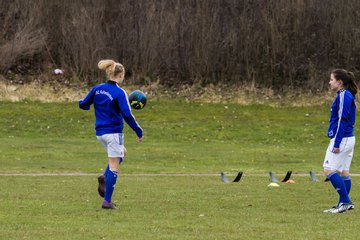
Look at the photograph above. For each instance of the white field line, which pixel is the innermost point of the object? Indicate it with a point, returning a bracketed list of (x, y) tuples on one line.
[(79, 174)]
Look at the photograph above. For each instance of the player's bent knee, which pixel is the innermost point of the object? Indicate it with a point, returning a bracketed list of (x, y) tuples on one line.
[(327, 172)]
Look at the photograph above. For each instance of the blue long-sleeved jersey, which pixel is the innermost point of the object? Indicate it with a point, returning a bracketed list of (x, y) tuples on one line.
[(112, 107), (342, 117)]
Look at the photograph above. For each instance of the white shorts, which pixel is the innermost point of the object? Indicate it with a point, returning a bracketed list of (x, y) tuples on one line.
[(113, 144), (340, 161)]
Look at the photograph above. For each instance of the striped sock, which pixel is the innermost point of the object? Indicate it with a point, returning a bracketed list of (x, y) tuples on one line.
[(107, 168), (110, 184)]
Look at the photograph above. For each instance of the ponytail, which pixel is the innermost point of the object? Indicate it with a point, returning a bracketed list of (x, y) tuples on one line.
[(348, 79), (353, 88), (111, 68)]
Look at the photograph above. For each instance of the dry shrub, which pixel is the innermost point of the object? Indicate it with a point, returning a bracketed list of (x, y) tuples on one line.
[(23, 38), (264, 44), (26, 43), (83, 40)]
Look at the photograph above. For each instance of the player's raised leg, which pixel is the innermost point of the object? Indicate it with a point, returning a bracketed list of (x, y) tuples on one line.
[(102, 180)]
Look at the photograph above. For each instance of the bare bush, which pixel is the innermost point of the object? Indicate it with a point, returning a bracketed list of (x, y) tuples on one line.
[(26, 43), (273, 44), (22, 36)]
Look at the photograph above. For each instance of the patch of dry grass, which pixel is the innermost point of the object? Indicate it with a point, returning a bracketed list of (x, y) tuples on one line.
[(38, 92), (246, 95), (243, 95)]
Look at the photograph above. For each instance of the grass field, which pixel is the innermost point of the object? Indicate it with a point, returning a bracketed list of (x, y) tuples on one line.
[(186, 145)]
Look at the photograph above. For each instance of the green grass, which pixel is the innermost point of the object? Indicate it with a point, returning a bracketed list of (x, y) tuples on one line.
[(166, 207), (180, 137)]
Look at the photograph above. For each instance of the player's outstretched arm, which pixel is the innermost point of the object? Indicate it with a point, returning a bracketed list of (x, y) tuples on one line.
[(87, 101)]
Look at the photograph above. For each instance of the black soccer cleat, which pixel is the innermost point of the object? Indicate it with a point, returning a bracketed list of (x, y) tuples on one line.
[(102, 185)]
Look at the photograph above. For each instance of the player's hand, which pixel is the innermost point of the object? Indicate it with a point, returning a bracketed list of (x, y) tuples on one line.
[(336, 150)]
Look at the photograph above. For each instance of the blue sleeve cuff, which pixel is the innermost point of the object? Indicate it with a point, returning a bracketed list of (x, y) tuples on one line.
[(83, 106), (337, 144)]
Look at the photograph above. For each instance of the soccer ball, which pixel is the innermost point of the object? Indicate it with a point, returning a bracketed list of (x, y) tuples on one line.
[(137, 99)]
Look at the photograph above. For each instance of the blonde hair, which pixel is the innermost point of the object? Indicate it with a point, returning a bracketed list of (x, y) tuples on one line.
[(112, 68)]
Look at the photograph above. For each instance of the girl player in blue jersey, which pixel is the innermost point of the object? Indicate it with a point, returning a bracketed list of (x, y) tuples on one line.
[(111, 107), (342, 139)]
